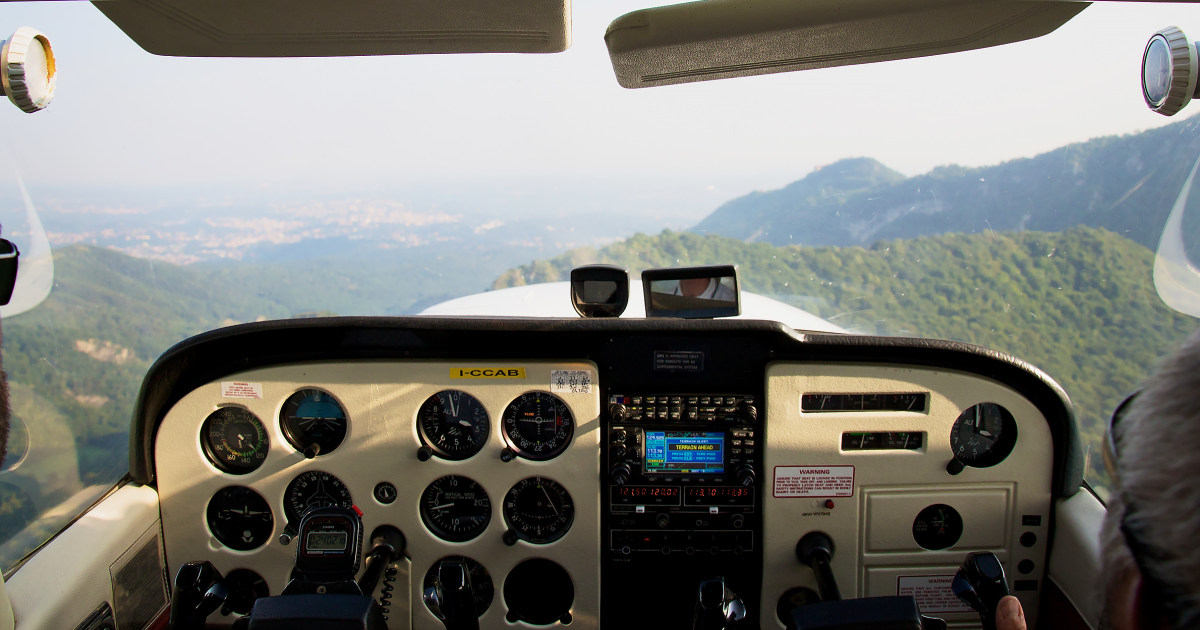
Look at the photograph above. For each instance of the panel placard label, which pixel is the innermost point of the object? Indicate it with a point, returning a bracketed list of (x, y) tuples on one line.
[(487, 372), (571, 381), (813, 481), (241, 389), (932, 592)]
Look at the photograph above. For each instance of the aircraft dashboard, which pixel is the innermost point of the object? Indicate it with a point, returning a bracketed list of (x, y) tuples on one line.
[(591, 473)]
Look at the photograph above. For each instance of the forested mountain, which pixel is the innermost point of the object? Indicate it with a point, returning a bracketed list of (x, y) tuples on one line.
[(1126, 184), (1079, 304), (80, 356)]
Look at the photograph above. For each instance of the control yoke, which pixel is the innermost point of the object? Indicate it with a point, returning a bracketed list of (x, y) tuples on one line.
[(322, 593)]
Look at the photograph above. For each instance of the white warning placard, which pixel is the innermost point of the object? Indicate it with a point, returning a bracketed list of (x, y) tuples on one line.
[(571, 381), (814, 481), (932, 592), (239, 389)]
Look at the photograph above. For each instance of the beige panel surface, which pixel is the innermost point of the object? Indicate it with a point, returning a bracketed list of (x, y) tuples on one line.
[(381, 400), (984, 511), (899, 480)]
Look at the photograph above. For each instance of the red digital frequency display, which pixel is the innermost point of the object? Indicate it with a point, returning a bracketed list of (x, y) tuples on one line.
[(645, 495), (718, 495)]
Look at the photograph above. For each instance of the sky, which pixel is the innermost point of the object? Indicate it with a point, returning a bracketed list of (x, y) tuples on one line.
[(514, 125)]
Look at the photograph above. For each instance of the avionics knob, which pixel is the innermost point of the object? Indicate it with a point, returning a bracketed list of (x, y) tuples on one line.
[(620, 473), (618, 412), (619, 435), (745, 475), (747, 413)]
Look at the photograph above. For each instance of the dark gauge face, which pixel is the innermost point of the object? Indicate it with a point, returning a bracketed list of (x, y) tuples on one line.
[(937, 527), (450, 567), (538, 510), (313, 422), (455, 508), (314, 489), (538, 425), (240, 518), (539, 592), (453, 424), (234, 440), (245, 586), (983, 435)]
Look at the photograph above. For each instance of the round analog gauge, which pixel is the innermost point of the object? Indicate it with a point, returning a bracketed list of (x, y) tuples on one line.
[(455, 508), (937, 527), (244, 587), (453, 424), (313, 422), (450, 569), (314, 489), (234, 440), (539, 592), (983, 435), (240, 518), (538, 425), (538, 510)]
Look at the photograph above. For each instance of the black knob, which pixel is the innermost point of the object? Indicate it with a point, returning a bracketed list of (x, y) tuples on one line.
[(620, 473), (619, 435), (745, 475), (618, 412), (507, 454), (955, 466), (747, 413), (424, 453)]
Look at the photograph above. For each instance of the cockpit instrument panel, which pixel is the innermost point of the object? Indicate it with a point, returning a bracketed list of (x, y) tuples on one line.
[(612, 476)]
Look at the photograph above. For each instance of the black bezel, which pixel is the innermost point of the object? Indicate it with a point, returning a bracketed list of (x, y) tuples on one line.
[(558, 532), (212, 451), (561, 444), (436, 528), (292, 434), (428, 440)]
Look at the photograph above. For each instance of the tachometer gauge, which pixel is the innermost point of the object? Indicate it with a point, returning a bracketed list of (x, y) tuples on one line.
[(314, 489), (538, 425), (234, 440), (453, 424), (313, 422), (983, 435), (538, 510), (240, 518), (455, 508)]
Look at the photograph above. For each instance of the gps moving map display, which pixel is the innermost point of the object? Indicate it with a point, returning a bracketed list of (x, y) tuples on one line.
[(685, 452)]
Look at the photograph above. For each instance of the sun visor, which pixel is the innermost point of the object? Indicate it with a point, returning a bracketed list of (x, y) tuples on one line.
[(719, 39), (321, 28)]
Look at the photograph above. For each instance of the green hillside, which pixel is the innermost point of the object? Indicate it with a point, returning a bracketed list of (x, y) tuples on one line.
[(1079, 304), (83, 352), (1125, 184)]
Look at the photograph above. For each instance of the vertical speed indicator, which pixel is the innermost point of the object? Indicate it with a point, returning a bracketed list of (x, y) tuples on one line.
[(538, 425)]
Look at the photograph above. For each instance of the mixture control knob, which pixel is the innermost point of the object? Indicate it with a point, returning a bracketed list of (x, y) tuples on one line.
[(618, 412), (745, 475), (747, 413), (620, 473)]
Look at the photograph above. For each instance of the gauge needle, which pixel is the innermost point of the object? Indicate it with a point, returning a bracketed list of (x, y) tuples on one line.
[(450, 402), (442, 506), (549, 500)]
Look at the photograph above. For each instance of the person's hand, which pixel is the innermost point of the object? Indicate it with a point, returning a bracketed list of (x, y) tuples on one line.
[(1009, 614)]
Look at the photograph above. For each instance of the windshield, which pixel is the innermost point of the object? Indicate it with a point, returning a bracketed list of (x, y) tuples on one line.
[(1010, 197)]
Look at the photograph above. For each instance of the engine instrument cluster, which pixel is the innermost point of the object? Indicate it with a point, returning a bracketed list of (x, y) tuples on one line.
[(598, 491)]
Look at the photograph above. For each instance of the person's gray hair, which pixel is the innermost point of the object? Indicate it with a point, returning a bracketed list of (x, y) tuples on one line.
[(1159, 495)]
